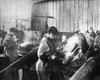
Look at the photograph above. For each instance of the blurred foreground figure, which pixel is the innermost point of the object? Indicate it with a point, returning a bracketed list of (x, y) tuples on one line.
[(45, 66), (10, 46)]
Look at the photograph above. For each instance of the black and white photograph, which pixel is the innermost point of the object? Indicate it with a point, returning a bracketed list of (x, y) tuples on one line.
[(49, 39)]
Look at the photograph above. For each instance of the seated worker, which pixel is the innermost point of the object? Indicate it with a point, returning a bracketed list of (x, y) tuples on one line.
[(45, 66)]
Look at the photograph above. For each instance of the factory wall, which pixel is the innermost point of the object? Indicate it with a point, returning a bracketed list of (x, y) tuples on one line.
[(66, 15), (14, 13)]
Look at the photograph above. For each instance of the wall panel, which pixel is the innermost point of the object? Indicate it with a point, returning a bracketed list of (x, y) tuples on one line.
[(57, 15), (71, 15), (67, 15), (80, 13), (90, 13), (75, 14), (95, 14), (85, 10), (61, 16)]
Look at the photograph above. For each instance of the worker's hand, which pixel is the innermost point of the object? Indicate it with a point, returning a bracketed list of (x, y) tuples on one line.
[(53, 57)]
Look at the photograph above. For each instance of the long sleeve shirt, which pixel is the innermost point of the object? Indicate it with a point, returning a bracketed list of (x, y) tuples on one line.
[(43, 47), (10, 47), (9, 41)]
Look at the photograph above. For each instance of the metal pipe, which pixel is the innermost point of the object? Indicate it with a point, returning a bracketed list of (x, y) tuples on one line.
[(85, 71)]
